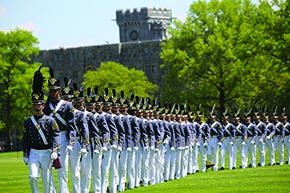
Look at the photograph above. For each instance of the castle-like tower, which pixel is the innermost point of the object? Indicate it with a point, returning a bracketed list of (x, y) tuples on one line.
[(146, 24)]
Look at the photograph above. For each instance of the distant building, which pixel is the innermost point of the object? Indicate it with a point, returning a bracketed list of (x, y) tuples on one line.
[(140, 31)]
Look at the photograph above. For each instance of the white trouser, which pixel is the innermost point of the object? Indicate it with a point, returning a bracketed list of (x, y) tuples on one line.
[(63, 171), (213, 156), (131, 168), (105, 165), (203, 153), (74, 160), (287, 145), (138, 166), (152, 165), (172, 164), (161, 163), (40, 160), (242, 149), (166, 162), (145, 167), (261, 146), (86, 168), (114, 177), (195, 150), (227, 147), (184, 162), (252, 151), (123, 169), (96, 172), (270, 146), (178, 162), (279, 145)]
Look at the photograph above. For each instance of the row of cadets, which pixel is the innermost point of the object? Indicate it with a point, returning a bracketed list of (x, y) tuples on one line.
[(227, 141), (62, 111), (41, 140), (278, 137), (128, 146), (78, 150)]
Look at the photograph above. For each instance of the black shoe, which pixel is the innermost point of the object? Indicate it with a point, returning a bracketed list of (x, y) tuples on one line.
[(165, 180), (197, 171), (240, 166), (209, 166), (234, 168), (259, 164), (286, 162), (222, 168), (277, 164), (250, 165), (271, 164)]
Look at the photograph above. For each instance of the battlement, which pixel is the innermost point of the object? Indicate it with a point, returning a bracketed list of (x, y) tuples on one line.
[(144, 13)]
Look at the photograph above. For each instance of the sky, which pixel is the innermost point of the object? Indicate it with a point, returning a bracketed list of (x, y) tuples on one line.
[(76, 23)]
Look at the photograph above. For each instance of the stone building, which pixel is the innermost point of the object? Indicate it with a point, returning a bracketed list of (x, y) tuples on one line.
[(141, 32)]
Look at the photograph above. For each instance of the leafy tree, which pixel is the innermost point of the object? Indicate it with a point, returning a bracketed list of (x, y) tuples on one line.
[(215, 57), (114, 75), (16, 48)]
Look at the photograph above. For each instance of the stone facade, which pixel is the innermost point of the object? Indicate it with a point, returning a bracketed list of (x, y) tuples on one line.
[(141, 53)]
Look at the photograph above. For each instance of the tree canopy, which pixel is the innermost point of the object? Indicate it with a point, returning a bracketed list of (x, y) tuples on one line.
[(116, 76), (218, 56), (16, 75)]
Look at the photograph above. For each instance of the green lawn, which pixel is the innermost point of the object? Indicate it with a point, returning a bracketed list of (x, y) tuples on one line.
[(14, 178)]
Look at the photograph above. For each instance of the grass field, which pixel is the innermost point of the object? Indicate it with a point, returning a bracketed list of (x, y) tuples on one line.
[(14, 179)]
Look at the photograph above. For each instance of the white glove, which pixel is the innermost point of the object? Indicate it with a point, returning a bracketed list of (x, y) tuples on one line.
[(69, 149), (186, 147), (104, 149), (261, 141), (243, 143), (232, 143), (220, 144), (114, 146), (83, 151), (152, 148), (146, 148), (172, 148), (119, 148), (197, 144), (268, 137), (180, 148), (53, 156), (96, 151), (165, 142), (252, 142), (129, 149), (26, 160), (205, 145), (157, 150), (136, 148)]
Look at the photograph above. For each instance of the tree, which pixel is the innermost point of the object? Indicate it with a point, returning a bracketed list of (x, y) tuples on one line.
[(215, 57), (16, 48), (114, 75)]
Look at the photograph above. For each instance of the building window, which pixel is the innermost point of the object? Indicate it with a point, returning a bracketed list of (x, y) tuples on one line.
[(75, 74)]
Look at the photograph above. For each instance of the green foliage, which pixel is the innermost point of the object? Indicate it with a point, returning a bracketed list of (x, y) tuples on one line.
[(16, 74), (114, 75), (216, 56)]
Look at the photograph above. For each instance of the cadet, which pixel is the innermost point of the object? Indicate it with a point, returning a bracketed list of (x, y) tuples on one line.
[(240, 141), (216, 135), (269, 137), (284, 118), (279, 137), (62, 111), (41, 140), (261, 128), (227, 141), (252, 134)]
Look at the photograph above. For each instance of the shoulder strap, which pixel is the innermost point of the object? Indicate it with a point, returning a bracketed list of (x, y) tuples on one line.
[(37, 126), (54, 112)]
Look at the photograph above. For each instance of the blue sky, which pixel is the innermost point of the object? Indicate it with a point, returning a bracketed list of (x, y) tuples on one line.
[(75, 23)]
